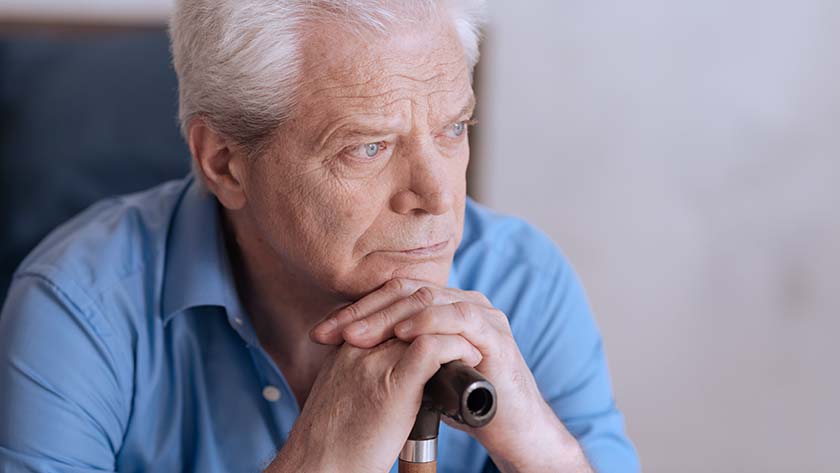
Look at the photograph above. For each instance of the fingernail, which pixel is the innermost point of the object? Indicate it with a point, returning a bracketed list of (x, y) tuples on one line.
[(326, 327), (357, 328), (404, 327)]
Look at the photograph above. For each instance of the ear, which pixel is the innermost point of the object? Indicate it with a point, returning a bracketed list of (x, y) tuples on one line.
[(221, 165)]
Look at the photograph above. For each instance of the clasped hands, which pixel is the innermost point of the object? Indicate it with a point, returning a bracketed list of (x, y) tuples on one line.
[(525, 434)]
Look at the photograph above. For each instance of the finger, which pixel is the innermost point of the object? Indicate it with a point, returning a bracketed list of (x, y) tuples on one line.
[(479, 325), (329, 331), (379, 326), (374, 329), (427, 353)]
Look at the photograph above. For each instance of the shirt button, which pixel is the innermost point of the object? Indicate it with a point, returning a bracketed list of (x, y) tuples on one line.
[(271, 394)]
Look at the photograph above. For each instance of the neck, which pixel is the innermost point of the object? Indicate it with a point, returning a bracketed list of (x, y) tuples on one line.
[(282, 306)]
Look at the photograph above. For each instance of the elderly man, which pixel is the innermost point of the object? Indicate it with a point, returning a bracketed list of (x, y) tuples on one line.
[(282, 308)]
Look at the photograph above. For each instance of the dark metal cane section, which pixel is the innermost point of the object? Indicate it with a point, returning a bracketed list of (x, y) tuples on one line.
[(456, 391)]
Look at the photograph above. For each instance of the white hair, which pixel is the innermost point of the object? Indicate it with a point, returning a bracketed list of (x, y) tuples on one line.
[(238, 61)]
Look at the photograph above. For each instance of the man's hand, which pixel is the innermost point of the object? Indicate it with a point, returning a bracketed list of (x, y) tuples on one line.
[(363, 404), (525, 434)]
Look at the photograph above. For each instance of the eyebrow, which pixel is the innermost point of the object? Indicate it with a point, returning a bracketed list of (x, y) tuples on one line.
[(469, 108), (349, 128), (343, 128)]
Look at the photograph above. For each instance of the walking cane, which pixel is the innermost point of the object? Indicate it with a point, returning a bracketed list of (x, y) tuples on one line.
[(456, 391)]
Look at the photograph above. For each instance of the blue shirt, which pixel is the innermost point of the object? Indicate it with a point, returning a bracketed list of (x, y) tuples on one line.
[(124, 347)]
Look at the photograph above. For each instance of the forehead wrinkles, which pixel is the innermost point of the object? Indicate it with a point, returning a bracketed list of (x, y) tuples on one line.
[(403, 80), (399, 97)]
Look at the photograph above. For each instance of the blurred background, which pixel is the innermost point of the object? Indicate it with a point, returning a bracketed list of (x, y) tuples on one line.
[(685, 156)]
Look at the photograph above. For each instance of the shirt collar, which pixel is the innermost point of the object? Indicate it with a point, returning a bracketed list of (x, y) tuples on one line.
[(197, 271)]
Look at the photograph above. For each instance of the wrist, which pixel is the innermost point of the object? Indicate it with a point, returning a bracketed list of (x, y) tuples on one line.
[(560, 458), (538, 443)]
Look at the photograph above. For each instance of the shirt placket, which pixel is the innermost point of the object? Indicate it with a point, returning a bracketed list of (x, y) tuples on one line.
[(274, 389)]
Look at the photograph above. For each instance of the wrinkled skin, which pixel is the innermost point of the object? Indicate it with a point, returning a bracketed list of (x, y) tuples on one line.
[(326, 212), (372, 163)]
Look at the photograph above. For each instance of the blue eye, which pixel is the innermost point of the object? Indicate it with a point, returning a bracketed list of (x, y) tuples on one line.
[(372, 149), (457, 129), (368, 151)]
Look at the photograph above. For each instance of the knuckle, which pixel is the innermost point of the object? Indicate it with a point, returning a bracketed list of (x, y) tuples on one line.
[(400, 286), (384, 391), (384, 320), (391, 348), (351, 311), (424, 296), (347, 355), (381, 319), (466, 312), (479, 296), (395, 285), (425, 345), (500, 317), (369, 364)]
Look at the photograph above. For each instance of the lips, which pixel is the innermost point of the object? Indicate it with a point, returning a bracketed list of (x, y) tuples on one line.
[(429, 248)]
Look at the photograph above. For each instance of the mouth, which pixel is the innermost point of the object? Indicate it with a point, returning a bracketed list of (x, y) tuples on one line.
[(430, 250)]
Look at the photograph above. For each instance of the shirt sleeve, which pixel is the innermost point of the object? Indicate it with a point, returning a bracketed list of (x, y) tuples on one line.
[(61, 405), (568, 362)]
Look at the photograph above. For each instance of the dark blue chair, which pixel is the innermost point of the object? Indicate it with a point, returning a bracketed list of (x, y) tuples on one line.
[(82, 117)]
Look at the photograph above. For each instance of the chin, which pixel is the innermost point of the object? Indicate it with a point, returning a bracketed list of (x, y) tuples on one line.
[(365, 280), (436, 273)]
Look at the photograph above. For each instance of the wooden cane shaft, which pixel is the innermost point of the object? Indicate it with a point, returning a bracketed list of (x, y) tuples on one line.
[(409, 467)]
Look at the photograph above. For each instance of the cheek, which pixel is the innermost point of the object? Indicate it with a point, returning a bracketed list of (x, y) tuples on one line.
[(291, 206), (329, 216), (356, 214)]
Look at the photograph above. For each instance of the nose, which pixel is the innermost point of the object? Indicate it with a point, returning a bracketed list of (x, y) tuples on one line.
[(430, 185)]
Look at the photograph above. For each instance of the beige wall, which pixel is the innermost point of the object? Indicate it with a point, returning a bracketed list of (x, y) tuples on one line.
[(686, 155)]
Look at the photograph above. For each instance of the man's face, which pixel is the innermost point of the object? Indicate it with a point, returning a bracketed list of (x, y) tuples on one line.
[(372, 164)]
